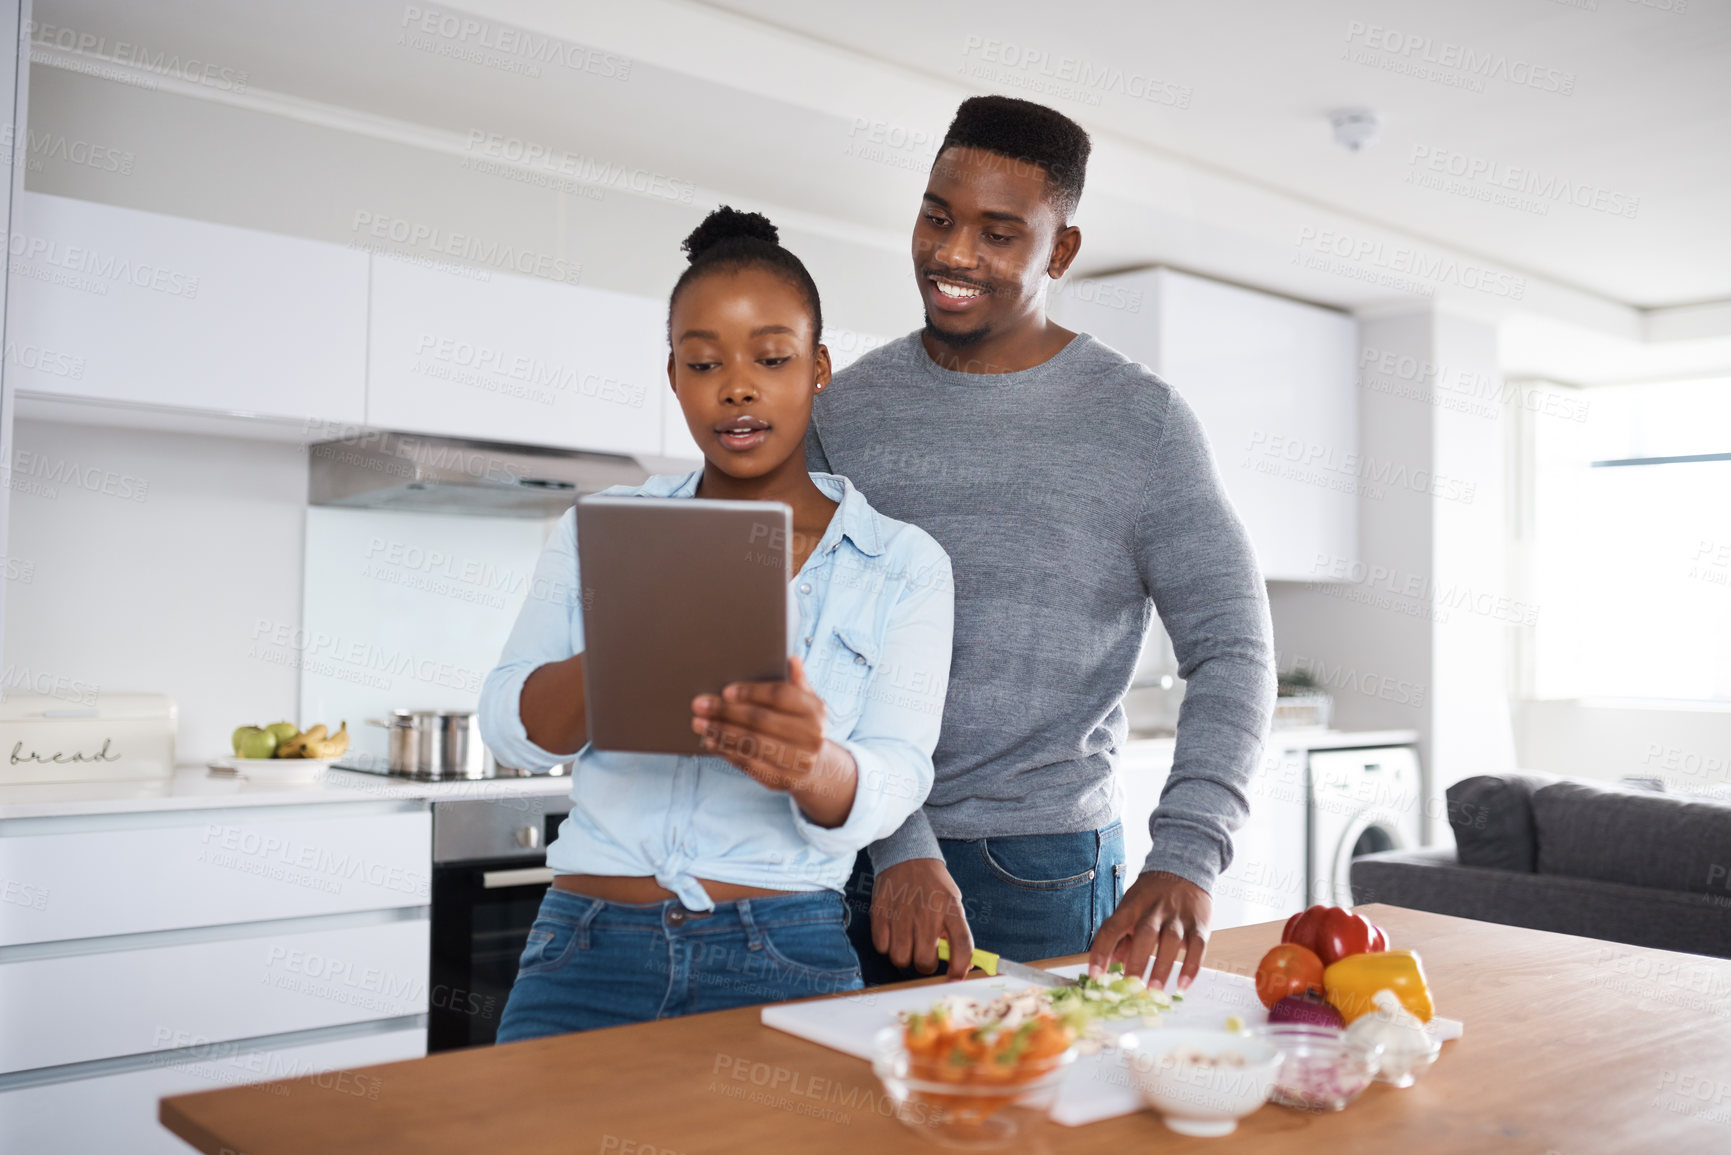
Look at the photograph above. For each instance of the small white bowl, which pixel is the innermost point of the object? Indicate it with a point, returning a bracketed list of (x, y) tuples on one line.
[(1202, 1082)]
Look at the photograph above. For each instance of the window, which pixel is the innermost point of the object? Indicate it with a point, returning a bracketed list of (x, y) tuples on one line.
[(1629, 544)]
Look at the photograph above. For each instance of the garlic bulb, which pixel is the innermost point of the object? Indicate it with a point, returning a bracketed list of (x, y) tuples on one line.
[(1407, 1048)]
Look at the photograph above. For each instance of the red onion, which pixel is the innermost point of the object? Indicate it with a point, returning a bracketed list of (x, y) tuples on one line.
[(1307, 1009)]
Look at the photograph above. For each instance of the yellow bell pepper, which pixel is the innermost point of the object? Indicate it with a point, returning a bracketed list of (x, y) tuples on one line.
[(1353, 981)]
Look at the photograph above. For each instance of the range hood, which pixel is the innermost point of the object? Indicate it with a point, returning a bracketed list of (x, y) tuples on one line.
[(405, 471)]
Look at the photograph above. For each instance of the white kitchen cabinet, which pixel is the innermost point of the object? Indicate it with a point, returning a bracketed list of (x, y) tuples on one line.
[(209, 868), (195, 994), (152, 953), (115, 304), (1271, 380), (117, 1113), (501, 357)]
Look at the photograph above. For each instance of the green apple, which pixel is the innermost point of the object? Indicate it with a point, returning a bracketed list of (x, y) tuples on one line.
[(283, 731), (234, 739), (252, 742)]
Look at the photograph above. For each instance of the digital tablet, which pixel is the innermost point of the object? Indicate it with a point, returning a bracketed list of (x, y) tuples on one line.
[(680, 597)]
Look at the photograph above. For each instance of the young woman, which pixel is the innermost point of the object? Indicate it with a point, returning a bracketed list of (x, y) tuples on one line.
[(697, 883)]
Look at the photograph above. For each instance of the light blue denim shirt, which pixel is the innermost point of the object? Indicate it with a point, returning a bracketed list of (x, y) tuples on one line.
[(876, 611)]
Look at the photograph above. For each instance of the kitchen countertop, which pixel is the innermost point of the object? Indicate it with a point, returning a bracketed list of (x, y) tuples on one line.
[(194, 788), (1293, 740), (1339, 739)]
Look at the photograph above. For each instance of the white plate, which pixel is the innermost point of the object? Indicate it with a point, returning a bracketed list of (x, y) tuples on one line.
[(272, 769)]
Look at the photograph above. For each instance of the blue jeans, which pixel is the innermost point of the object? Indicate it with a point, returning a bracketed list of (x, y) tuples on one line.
[(1026, 897), (593, 964)]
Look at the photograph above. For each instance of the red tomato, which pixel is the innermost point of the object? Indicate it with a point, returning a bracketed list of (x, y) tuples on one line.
[(1288, 969)]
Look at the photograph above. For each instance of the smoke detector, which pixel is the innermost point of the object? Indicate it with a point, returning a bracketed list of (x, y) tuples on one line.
[(1354, 128)]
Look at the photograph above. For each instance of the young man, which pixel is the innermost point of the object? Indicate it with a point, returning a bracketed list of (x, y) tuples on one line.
[(1075, 495)]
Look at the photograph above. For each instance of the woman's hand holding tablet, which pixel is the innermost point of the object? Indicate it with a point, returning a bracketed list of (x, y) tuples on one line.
[(773, 731)]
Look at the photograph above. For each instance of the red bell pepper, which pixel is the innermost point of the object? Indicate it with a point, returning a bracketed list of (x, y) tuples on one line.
[(1334, 933)]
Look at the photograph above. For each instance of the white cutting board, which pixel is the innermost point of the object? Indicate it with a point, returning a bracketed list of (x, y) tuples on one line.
[(1097, 1086)]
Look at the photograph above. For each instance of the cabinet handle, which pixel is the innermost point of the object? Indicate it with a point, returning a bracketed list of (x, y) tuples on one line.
[(528, 876)]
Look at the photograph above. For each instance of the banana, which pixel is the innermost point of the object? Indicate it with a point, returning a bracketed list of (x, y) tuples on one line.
[(299, 745), (333, 747)]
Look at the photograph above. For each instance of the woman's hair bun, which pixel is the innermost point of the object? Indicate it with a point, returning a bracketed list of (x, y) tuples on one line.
[(725, 224)]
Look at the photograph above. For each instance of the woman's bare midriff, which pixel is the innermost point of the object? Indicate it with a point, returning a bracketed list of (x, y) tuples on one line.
[(643, 889)]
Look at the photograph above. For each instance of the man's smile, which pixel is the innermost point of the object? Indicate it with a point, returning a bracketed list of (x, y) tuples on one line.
[(954, 294)]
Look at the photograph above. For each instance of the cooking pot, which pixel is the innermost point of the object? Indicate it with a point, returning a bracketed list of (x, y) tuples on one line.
[(436, 744)]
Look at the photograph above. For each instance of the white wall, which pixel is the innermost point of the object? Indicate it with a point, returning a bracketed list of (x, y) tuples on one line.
[(1474, 731), (1395, 642), (13, 114), (145, 561), (1688, 748)]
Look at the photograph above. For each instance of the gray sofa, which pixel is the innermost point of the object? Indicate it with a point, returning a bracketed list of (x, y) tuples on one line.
[(1618, 862)]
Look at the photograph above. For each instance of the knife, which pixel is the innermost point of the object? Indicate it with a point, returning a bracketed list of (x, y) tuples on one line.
[(995, 965)]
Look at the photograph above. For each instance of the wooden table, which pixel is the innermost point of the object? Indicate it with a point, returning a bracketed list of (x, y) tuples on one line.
[(1572, 1046)]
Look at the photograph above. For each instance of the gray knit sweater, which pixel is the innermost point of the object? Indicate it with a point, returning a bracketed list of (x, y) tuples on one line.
[(1074, 499)]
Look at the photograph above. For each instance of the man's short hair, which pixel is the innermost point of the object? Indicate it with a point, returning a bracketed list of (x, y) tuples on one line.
[(1030, 134)]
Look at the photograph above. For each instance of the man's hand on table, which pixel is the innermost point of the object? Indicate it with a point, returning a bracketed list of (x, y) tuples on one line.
[(1159, 915), (915, 903)]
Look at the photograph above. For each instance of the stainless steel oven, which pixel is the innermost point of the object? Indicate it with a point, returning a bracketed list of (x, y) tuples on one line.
[(489, 873)]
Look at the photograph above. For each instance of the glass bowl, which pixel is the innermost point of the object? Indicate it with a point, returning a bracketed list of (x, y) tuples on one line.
[(1323, 1071), (957, 1114)]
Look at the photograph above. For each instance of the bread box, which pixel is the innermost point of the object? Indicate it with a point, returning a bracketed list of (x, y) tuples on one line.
[(113, 737)]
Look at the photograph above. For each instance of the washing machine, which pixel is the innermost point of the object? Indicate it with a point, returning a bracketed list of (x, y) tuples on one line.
[(1361, 802)]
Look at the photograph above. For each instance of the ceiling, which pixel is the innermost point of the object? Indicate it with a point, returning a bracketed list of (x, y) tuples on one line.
[(1648, 117), (1236, 91)]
